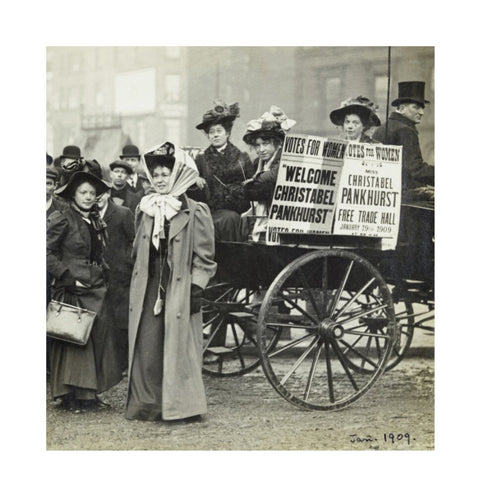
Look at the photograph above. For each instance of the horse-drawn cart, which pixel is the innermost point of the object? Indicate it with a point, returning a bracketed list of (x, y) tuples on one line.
[(324, 314)]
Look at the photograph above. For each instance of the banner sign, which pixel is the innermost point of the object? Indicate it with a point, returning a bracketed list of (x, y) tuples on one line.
[(369, 195), (331, 186), (307, 184)]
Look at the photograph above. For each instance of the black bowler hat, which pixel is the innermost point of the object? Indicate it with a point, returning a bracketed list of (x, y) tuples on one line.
[(71, 151), (79, 177), (411, 92), (122, 164), (130, 151)]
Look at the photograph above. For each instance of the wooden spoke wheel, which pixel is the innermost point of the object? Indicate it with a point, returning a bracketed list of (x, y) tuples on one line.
[(335, 322), (230, 330)]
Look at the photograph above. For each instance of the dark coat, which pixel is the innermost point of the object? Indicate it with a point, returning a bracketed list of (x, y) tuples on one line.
[(126, 197), (94, 366), (231, 168), (403, 132), (138, 188), (118, 256), (190, 259), (262, 186), (57, 204)]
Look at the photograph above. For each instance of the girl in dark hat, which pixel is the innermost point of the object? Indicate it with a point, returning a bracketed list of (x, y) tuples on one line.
[(223, 168), (355, 117), (75, 245), (173, 254), (266, 136)]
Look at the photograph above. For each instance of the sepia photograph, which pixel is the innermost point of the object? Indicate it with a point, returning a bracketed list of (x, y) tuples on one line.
[(240, 248), (243, 282)]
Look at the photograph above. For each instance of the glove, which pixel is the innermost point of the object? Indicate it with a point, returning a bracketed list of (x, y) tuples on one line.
[(67, 281), (196, 293)]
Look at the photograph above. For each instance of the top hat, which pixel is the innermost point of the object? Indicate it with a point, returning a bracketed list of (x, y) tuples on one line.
[(361, 106), (79, 177), (220, 114), (122, 164), (411, 91), (71, 151), (130, 151), (164, 156), (272, 124)]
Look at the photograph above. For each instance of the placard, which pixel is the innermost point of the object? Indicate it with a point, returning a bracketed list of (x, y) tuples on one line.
[(369, 194)]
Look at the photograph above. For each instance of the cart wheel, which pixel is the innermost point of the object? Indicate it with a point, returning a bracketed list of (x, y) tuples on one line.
[(336, 333), (404, 317), (230, 331)]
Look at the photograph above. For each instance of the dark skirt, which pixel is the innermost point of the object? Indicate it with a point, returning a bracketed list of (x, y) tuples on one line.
[(144, 398), (228, 226), (83, 371)]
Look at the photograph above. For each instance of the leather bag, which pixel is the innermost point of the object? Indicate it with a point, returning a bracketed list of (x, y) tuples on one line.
[(69, 323)]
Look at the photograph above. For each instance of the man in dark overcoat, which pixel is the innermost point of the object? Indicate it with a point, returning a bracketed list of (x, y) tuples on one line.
[(118, 256), (401, 129), (131, 155), (417, 218), (121, 193)]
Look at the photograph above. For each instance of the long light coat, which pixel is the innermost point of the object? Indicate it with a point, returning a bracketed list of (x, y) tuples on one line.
[(191, 250)]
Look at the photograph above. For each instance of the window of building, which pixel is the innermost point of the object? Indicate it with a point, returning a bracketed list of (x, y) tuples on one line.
[(172, 88), (172, 130), (380, 92)]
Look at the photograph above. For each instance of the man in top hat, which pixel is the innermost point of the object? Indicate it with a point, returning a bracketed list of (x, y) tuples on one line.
[(71, 160), (417, 224), (400, 129), (131, 155), (121, 193)]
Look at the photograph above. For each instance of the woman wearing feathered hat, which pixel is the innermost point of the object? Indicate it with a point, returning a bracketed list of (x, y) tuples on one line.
[(355, 117), (266, 136), (173, 252), (76, 237), (223, 168)]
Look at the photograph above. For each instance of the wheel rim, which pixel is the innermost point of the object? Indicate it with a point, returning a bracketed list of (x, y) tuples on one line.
[(229, 340), (405, 319), (336, 332)]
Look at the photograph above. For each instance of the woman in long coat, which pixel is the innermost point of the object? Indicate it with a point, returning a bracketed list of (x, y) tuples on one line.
[(75, 246), (223, 168), (173, 251)]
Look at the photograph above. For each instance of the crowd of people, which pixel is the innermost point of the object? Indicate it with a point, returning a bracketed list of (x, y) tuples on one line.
[(138, 247)]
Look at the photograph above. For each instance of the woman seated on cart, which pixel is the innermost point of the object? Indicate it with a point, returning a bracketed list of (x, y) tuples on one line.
[(266, 136), (355, 117), (222, 168)]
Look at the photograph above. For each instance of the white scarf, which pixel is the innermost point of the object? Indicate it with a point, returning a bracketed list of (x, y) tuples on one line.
[(166, 206)]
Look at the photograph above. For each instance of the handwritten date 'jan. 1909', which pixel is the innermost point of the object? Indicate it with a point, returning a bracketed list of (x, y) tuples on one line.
[(390, 438)]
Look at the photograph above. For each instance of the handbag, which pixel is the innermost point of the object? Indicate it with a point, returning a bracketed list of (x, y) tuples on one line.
[(69, 323)]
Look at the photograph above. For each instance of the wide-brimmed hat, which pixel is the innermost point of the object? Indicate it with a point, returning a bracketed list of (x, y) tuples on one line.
[(130, 151), (272, 124), (52, 172), (221, 113), (164, 155), (122, 164), (71, 151), (361, 106), (79, 177), (411, 92)]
